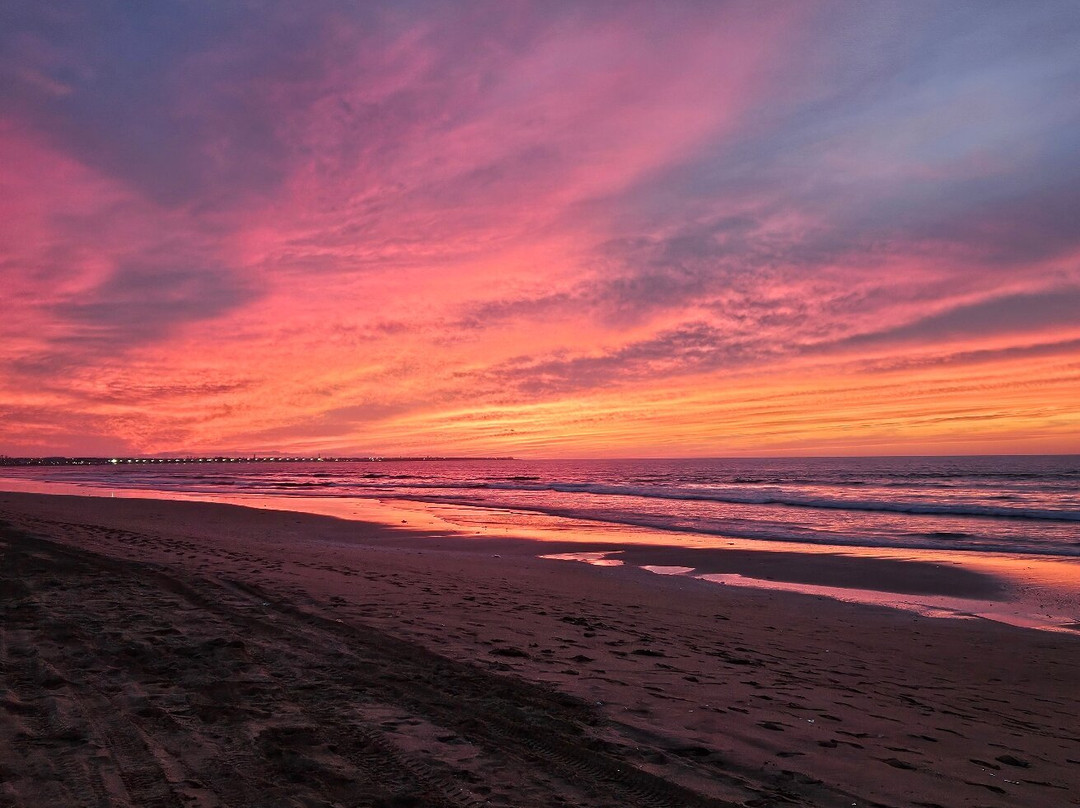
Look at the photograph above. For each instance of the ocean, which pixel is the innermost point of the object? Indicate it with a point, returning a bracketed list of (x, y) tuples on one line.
[(1010, 504)]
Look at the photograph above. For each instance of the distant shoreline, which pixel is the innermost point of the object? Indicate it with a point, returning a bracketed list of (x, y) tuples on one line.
[(114, 461)]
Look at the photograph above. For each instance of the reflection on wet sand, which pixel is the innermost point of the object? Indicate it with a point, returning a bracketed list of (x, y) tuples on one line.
[(1020, 609)]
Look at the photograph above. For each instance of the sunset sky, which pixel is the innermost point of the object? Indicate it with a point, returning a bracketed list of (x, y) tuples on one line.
[(540, 228)]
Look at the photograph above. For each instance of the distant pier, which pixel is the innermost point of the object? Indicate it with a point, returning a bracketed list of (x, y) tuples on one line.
[(124, 461)]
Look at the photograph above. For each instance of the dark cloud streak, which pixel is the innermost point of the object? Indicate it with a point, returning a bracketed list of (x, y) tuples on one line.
[(1003, 316)]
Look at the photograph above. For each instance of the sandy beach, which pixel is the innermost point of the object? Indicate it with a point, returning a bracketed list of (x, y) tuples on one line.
[(165, 653)]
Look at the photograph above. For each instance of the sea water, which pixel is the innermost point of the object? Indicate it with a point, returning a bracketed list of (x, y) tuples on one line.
[(999, 504)]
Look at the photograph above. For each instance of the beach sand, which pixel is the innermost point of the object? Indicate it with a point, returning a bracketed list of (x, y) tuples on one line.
[(157, 653)]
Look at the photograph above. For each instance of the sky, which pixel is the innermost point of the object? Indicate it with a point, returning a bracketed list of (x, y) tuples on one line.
[(540, 229)]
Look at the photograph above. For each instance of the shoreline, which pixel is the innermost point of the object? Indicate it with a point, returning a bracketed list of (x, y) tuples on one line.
[(694, 693), (1019, 589)]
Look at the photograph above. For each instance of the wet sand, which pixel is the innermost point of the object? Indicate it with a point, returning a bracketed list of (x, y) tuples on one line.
[(160, 653)]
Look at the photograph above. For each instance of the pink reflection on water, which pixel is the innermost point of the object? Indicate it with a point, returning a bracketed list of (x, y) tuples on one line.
[(1012, 613), (595, 559), (661, 569)]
